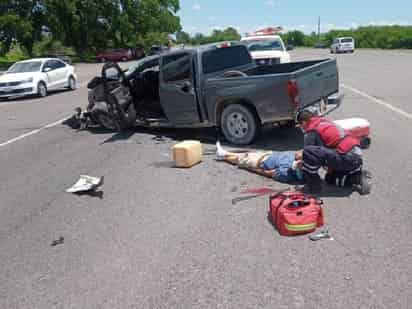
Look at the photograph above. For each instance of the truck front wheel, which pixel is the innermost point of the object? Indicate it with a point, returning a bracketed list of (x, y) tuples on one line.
[(239, 125)]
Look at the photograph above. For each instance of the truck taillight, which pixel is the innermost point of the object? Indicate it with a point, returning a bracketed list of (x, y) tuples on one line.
[(293, 92)]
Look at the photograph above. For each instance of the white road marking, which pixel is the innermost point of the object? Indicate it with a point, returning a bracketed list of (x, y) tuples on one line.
[(18, 138), (378, 101)]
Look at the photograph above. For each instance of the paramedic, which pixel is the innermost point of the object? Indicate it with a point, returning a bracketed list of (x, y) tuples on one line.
[(327, 145)]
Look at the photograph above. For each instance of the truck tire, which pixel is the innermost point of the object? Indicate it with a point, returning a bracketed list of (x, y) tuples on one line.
[(239, 125)]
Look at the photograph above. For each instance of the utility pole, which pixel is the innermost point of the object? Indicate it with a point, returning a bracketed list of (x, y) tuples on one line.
[(319, 28)]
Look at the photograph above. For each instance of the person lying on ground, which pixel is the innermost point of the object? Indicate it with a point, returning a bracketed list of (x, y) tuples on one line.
[(281, 166)]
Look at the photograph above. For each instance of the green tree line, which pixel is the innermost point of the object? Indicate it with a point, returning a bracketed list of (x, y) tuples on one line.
[(385, 37), (86, 26), (228, 34)]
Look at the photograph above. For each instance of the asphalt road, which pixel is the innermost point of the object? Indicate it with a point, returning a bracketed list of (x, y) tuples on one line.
[(167, 238)]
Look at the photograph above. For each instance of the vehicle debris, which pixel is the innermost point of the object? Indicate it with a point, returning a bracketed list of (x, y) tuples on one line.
[(324, 234), (86, 184), (57, 242)]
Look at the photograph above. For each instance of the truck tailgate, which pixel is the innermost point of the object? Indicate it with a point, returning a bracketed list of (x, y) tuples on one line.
[(317, 81)]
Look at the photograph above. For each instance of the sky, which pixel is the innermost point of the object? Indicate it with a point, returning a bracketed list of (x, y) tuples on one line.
[(202, 16)]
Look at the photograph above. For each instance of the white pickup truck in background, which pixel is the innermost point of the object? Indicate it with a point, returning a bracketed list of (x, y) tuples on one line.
[(267, 49)]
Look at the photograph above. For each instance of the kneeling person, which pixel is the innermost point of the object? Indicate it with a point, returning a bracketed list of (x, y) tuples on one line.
[(327, 145), (281, 166)]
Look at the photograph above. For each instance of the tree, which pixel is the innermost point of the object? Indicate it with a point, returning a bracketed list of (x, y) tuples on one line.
[(21, 22), (182, 37), (97, 24)]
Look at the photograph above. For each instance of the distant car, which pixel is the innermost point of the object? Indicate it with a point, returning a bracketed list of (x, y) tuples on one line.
[(158, 50), (115, 55), (343, 45), (37, 77), (267, 49), (321, 45)]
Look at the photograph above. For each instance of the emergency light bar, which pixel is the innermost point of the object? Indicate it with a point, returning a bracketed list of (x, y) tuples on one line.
[(266, 31)]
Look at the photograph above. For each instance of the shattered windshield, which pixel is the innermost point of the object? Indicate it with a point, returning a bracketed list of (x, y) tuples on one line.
[(25, 67), (265, 45)]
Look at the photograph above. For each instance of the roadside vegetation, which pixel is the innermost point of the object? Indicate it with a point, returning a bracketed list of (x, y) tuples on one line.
[(384, 37), (83, 27)]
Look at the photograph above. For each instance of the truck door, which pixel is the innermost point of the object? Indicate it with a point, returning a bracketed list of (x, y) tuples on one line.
[(177, 89)]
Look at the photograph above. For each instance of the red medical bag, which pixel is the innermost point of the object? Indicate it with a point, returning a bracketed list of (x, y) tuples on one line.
[(295, 213)]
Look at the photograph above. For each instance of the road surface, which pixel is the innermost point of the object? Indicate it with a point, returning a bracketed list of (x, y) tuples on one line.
[(166, 238)]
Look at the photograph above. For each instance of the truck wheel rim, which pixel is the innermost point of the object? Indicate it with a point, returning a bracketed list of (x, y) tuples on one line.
[(238, 125)]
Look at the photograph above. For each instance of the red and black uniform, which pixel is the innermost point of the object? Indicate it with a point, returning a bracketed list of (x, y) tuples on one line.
[(326, 145)]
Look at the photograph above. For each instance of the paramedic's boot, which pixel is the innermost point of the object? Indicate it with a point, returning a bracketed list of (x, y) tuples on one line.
[(313, 183)]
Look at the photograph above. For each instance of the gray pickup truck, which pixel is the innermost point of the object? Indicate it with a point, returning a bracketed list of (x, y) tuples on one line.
[(216, 85)]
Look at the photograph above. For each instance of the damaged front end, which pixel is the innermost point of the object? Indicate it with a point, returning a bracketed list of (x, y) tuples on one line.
[(110, 104)]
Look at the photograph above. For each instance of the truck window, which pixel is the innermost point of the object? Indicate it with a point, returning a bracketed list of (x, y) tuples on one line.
[(222, 59), (176, 67), (347, 40)]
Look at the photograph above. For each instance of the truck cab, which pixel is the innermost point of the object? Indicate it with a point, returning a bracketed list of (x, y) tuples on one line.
[(267, 49)]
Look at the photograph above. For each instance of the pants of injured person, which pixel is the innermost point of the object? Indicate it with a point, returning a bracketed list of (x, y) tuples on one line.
[(252, 159), (315, 157)]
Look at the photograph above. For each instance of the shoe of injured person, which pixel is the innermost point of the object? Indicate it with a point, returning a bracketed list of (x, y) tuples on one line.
[(220, 152)]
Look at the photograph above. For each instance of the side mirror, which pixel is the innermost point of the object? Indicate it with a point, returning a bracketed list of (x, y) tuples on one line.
[(47, 69)]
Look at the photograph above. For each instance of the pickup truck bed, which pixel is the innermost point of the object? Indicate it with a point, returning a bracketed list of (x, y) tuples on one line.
[(268, 88)]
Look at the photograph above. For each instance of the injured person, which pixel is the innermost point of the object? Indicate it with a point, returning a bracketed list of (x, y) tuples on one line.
[(281, 166)]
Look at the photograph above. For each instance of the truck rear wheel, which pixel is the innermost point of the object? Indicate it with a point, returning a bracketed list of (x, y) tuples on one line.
[(239, 125)]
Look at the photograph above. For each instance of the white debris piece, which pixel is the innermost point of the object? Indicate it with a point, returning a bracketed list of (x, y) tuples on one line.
[(86, 183)]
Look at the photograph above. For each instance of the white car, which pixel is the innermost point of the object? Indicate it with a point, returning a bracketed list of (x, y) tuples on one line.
[(343, 45), (37, 77), (267, 49)]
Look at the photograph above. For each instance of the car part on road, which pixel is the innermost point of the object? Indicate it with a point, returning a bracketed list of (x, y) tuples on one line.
[(86, 184), (57, 242), (239, 125), (42, 90), (324, 234)]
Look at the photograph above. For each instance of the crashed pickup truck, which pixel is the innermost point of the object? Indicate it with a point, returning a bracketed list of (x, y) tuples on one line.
[(216, 85)]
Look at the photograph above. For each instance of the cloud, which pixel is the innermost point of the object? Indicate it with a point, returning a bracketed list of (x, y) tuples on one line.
[(196, 7), (270, 3)]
